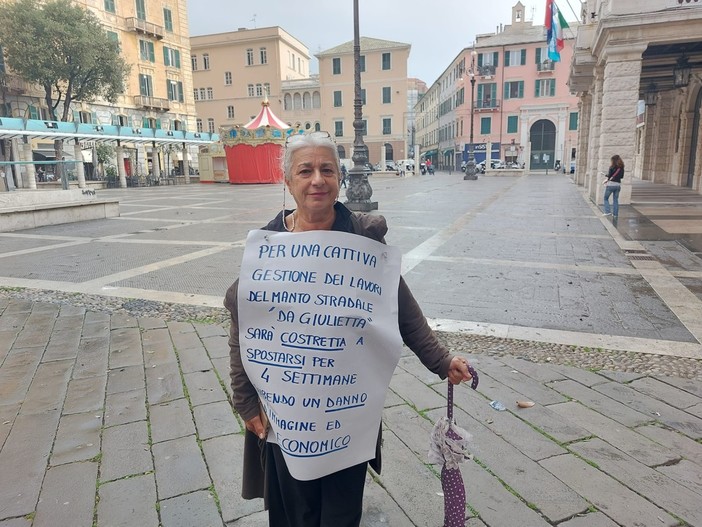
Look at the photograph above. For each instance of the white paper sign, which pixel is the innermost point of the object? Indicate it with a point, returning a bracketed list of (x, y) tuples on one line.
[(319, 340)]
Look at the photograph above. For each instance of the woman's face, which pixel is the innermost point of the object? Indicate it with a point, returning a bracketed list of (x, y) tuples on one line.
[(314, 179)]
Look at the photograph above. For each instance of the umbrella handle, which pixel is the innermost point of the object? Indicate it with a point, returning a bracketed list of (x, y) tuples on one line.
[(473, 384)]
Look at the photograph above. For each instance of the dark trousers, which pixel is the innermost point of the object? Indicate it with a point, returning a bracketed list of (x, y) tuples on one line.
[(335, 500)]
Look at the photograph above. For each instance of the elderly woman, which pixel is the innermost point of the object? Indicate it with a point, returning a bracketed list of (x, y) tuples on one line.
[(312, 176)]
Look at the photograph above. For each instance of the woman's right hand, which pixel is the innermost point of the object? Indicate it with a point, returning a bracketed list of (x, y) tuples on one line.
[(256, 426)]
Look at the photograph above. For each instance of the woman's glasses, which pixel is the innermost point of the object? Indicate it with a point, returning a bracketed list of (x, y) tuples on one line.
[(317, 135)]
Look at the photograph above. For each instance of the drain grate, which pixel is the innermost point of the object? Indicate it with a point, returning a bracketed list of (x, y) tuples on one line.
[(645, 257), (635, 251)]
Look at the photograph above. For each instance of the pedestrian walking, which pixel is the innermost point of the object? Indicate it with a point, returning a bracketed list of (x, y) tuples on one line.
[(344, 173), (312, 175), (613, 185)]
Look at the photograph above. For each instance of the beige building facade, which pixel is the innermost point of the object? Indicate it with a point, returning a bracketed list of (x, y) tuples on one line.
[(234, 71), (523, 109), (153, 38), (384, 97), (638, 70)]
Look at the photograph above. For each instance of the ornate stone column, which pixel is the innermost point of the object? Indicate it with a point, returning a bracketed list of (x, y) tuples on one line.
[(30, 180), (186, 164), (581, 167), (119, 154), (593, 180)]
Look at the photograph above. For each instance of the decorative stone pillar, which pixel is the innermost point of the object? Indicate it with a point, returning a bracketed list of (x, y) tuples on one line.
[(119, 154), (620, 93), (593, 181), (155, 163), (581, 167), (30, 180), (80, 169), (141, 161)]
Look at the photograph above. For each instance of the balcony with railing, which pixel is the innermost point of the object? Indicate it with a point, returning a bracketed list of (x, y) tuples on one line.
[(145, 28), (487, 104), (546, 66), (14, 85), (153, 103)]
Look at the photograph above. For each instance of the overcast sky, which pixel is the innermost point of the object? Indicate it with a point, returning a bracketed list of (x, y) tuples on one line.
[(436, 29)]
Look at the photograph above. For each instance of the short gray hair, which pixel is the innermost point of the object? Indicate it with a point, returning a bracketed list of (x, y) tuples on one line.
[(313, 140)]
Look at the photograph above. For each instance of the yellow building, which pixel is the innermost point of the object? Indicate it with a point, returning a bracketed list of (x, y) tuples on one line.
[(384, 96), (233, 71), (153, 38)]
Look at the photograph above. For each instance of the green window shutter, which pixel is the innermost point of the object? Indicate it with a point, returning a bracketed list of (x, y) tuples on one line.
[(480, 60), (493, 91), (166, 56), (538, 55), (552, 82), (93, 118), (537, 88), (152, 54), (521, 89), (506, 90), (480, 91), (76, 114), (167, 19), (512, 124), (496, 58), (485, 125), (180, 92), (169, 90), (158, 124), (145, 122), (34, 113), (506, 58), (176, 54), (523, 57), (573, 122), (115, 120)]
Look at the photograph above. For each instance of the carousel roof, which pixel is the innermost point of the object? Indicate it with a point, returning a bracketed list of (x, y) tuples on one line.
[(266, 117)]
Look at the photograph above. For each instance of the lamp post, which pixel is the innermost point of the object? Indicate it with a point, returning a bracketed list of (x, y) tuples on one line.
[(359, 191), (470, 165)]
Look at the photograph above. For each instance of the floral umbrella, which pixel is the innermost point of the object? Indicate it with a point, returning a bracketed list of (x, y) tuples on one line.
[(448, 447)]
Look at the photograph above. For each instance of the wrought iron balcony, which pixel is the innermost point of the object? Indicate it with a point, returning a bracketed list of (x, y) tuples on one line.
[(487, 70), (547, 65), (487, 104), (145, 28), (153, 103)]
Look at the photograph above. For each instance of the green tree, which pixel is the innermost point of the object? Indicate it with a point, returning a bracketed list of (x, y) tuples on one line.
[(64, 49)]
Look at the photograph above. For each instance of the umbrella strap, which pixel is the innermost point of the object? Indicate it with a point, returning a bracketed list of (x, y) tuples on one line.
[(449, 404)]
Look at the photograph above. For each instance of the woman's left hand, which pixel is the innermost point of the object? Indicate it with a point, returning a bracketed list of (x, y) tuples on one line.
[(458, 370)]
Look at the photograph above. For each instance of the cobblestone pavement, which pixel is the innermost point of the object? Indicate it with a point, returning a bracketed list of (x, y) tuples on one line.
[(114, 371)]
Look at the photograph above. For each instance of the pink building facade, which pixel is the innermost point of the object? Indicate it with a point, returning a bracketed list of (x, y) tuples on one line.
[(523, 109)]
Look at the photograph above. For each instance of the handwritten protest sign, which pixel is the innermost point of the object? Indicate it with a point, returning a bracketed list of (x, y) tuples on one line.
[(319, 340)]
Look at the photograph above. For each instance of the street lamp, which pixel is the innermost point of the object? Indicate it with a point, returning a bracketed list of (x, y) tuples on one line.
[(470, 165)]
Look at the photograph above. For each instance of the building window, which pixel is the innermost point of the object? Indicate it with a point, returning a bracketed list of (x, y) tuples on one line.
[(230, 112), (541, 55), (196, 94), (573, 121), (249, 57), (140, 10), (176, 125), (338, 128), (336, 66), (512, 124), (514, 90), (317, 127), (146, 87), (174, 90), (387, 95), (112, 36), (363, 96), (168, 19), (210, 93), (267, 88), (485, 125), (387, 125), (146, 50), (250, 89), (487, 95), (198, 125), (362, 63), (306, 100), (205, 61), (203, 95), (316, 100), (545, 88), (193, 62), (488, 59), (110, 6), (259, 90), (287, 102), (228, 78), (337, 99), (210, 125), (151, 122), (171, 57), (364, 130), (297, 102), (386, 64), (516, 57), (264, 55)]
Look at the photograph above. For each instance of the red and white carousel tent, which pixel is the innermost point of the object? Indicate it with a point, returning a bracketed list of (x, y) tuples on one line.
[(253, 151)]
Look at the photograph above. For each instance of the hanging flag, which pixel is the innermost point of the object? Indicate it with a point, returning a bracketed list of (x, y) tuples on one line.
[(555, 24)]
